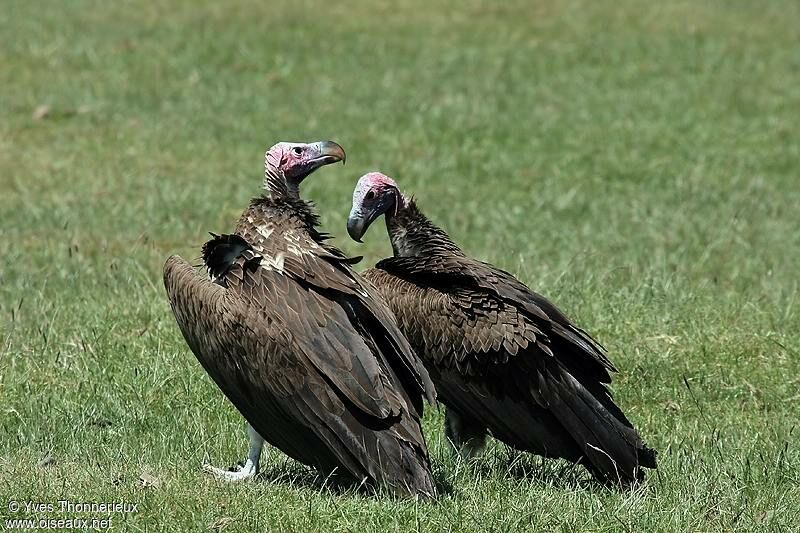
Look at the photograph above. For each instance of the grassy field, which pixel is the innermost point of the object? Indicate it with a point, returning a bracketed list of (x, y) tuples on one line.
[(639, 164)]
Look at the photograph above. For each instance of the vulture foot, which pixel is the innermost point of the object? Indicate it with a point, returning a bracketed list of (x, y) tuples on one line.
[(234, 474), (242, 472)]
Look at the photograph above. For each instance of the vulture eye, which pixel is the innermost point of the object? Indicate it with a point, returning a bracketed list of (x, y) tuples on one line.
[(297, 150), (370, 195)]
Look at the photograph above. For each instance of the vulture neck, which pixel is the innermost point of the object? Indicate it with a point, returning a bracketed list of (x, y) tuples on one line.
[(412, 234), (282, 196), (278, 186)]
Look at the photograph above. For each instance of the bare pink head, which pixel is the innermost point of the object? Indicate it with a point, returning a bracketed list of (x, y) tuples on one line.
[(288, 164), (375, 194)]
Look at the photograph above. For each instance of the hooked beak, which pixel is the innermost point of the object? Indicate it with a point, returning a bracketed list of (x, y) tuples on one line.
[(356, 225), (327, 152)]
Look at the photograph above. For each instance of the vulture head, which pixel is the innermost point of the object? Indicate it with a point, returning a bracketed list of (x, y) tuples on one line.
[(376, 194), (288, 164)]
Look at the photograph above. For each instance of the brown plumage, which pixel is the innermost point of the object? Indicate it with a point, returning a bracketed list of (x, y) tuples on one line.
[(303, 348), (504, 359)]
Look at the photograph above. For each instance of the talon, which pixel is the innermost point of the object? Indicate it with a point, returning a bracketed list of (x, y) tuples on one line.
[(233, 474)]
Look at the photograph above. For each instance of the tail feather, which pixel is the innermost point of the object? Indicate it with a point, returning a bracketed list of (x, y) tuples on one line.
[(404, 468), (612, 448)]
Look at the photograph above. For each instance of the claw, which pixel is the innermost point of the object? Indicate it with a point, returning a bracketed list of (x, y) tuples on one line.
[(236, 474)]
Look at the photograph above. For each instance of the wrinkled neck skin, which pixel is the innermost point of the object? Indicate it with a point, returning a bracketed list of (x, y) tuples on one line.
[(278, 186), (413, 235)]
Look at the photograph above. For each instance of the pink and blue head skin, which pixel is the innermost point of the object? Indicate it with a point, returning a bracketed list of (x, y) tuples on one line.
[(375, 194)]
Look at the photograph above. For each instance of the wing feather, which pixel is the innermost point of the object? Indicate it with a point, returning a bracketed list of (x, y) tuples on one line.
[(488, 286)]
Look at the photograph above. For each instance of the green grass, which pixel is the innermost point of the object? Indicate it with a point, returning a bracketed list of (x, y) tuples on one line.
[(639, 164)]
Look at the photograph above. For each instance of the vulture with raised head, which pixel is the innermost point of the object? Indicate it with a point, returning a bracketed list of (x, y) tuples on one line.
[(300, 344), (504, 359)]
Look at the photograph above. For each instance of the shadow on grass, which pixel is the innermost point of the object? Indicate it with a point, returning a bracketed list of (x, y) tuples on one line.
[(297, 476), (506, 463), (449, 474)]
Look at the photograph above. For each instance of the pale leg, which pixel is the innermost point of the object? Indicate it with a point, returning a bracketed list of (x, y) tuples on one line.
[(250, 468)]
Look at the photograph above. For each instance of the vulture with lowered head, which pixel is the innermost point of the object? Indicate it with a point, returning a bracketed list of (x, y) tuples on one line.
[(504, 359), (303, 348)]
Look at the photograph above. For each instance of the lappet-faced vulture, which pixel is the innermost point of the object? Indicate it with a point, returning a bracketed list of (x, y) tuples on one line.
[(306, 351), (504, 359)]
